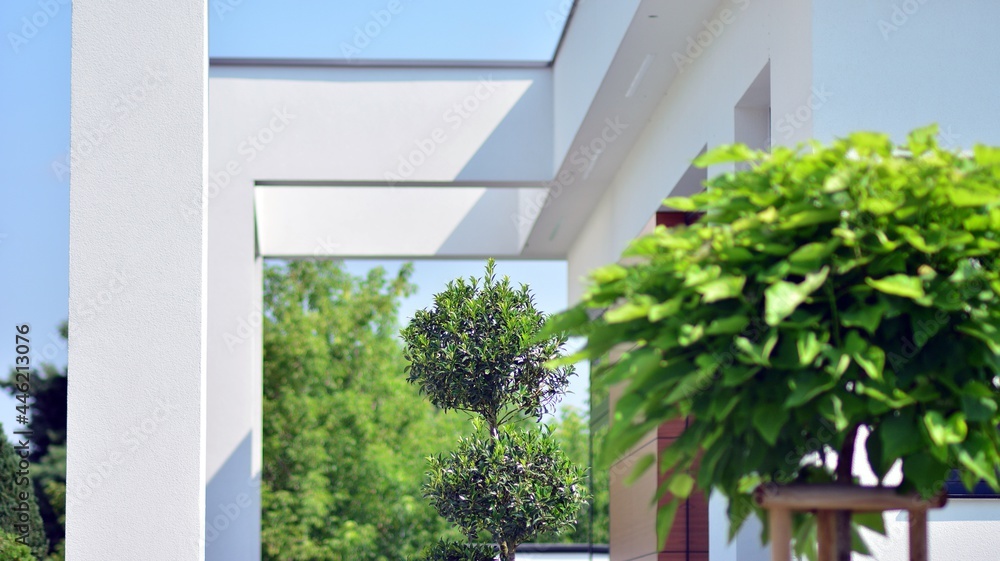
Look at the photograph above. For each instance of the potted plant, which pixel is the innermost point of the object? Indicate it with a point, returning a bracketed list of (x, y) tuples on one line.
[(477, 350), (848, 288)]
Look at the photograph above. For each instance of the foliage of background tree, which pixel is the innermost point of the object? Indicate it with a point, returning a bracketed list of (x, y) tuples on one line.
[(48, 454), (344, 435), (14, 513), (854, 285), (476, 350), (572, 431), (12, 550)]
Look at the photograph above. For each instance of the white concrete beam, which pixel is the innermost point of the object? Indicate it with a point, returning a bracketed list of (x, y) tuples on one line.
[(451, 222), (136, 428)]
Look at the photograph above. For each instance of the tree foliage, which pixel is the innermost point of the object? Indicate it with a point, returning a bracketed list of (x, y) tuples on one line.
[(853, 285), (474, 351), (478, 350), (48, 452), (12, 550), (573, 433), (19, 516), (344, 435)]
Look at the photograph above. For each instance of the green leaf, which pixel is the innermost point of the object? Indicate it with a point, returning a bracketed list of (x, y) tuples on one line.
[(681, 485), (871, 360), (665, 309), (866, 316), (809, 345), (944, 432), (782, 298), (683, 204), (640, 468), (979, 408), (665, 515), (965, 197), (807, 386), (768, 421), (900, 435), (809, 218), (721, 289), (627, 312), (727, 325), (813, 253), (725, 155), (898, 285), (608, 274)]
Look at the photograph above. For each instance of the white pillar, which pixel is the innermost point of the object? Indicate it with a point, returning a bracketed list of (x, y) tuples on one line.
[(232, 510), (136, 426)]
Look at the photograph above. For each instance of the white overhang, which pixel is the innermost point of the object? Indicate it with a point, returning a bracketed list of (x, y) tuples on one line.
[(439, 159)]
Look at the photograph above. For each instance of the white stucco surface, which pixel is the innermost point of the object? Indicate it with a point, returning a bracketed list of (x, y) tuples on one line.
[(136, 440)]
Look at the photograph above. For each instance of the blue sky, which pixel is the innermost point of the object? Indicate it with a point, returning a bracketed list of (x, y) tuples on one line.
[(34, 127)]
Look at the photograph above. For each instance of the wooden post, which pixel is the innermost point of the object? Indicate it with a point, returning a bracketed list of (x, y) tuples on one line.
[(842, 534), (834, 505), (918, 535), (781, 534), (824, 533)]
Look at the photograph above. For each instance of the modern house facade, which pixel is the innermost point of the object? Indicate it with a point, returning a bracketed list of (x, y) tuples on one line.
[(225, 162)]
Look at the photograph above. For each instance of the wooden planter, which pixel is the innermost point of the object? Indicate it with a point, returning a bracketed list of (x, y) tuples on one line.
[(835, 502)]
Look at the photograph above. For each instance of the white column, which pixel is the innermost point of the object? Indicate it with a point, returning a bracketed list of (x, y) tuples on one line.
[(232, 510), (136, 426)]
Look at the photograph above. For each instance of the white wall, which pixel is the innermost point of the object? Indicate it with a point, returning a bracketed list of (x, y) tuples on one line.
[(894, 65), (697, 109), (136, 428)]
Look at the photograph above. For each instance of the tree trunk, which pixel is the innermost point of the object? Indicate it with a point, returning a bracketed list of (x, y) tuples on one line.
[(842, 524)]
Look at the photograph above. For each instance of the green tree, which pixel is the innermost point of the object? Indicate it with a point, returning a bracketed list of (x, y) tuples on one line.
[(477, 350), (572, 431), (18, 507), (48, 453), (12, 550), (344, 435), (855, 285)]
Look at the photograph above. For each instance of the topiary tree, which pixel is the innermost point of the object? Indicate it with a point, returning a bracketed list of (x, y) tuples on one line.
[(854, 286), (18, 507), (477, 350), (450, 551)]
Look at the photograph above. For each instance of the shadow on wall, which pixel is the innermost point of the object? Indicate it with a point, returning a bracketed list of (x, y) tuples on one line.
[(232, 509)]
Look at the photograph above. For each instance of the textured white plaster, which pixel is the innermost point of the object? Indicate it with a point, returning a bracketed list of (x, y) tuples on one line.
[(135, 473)]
